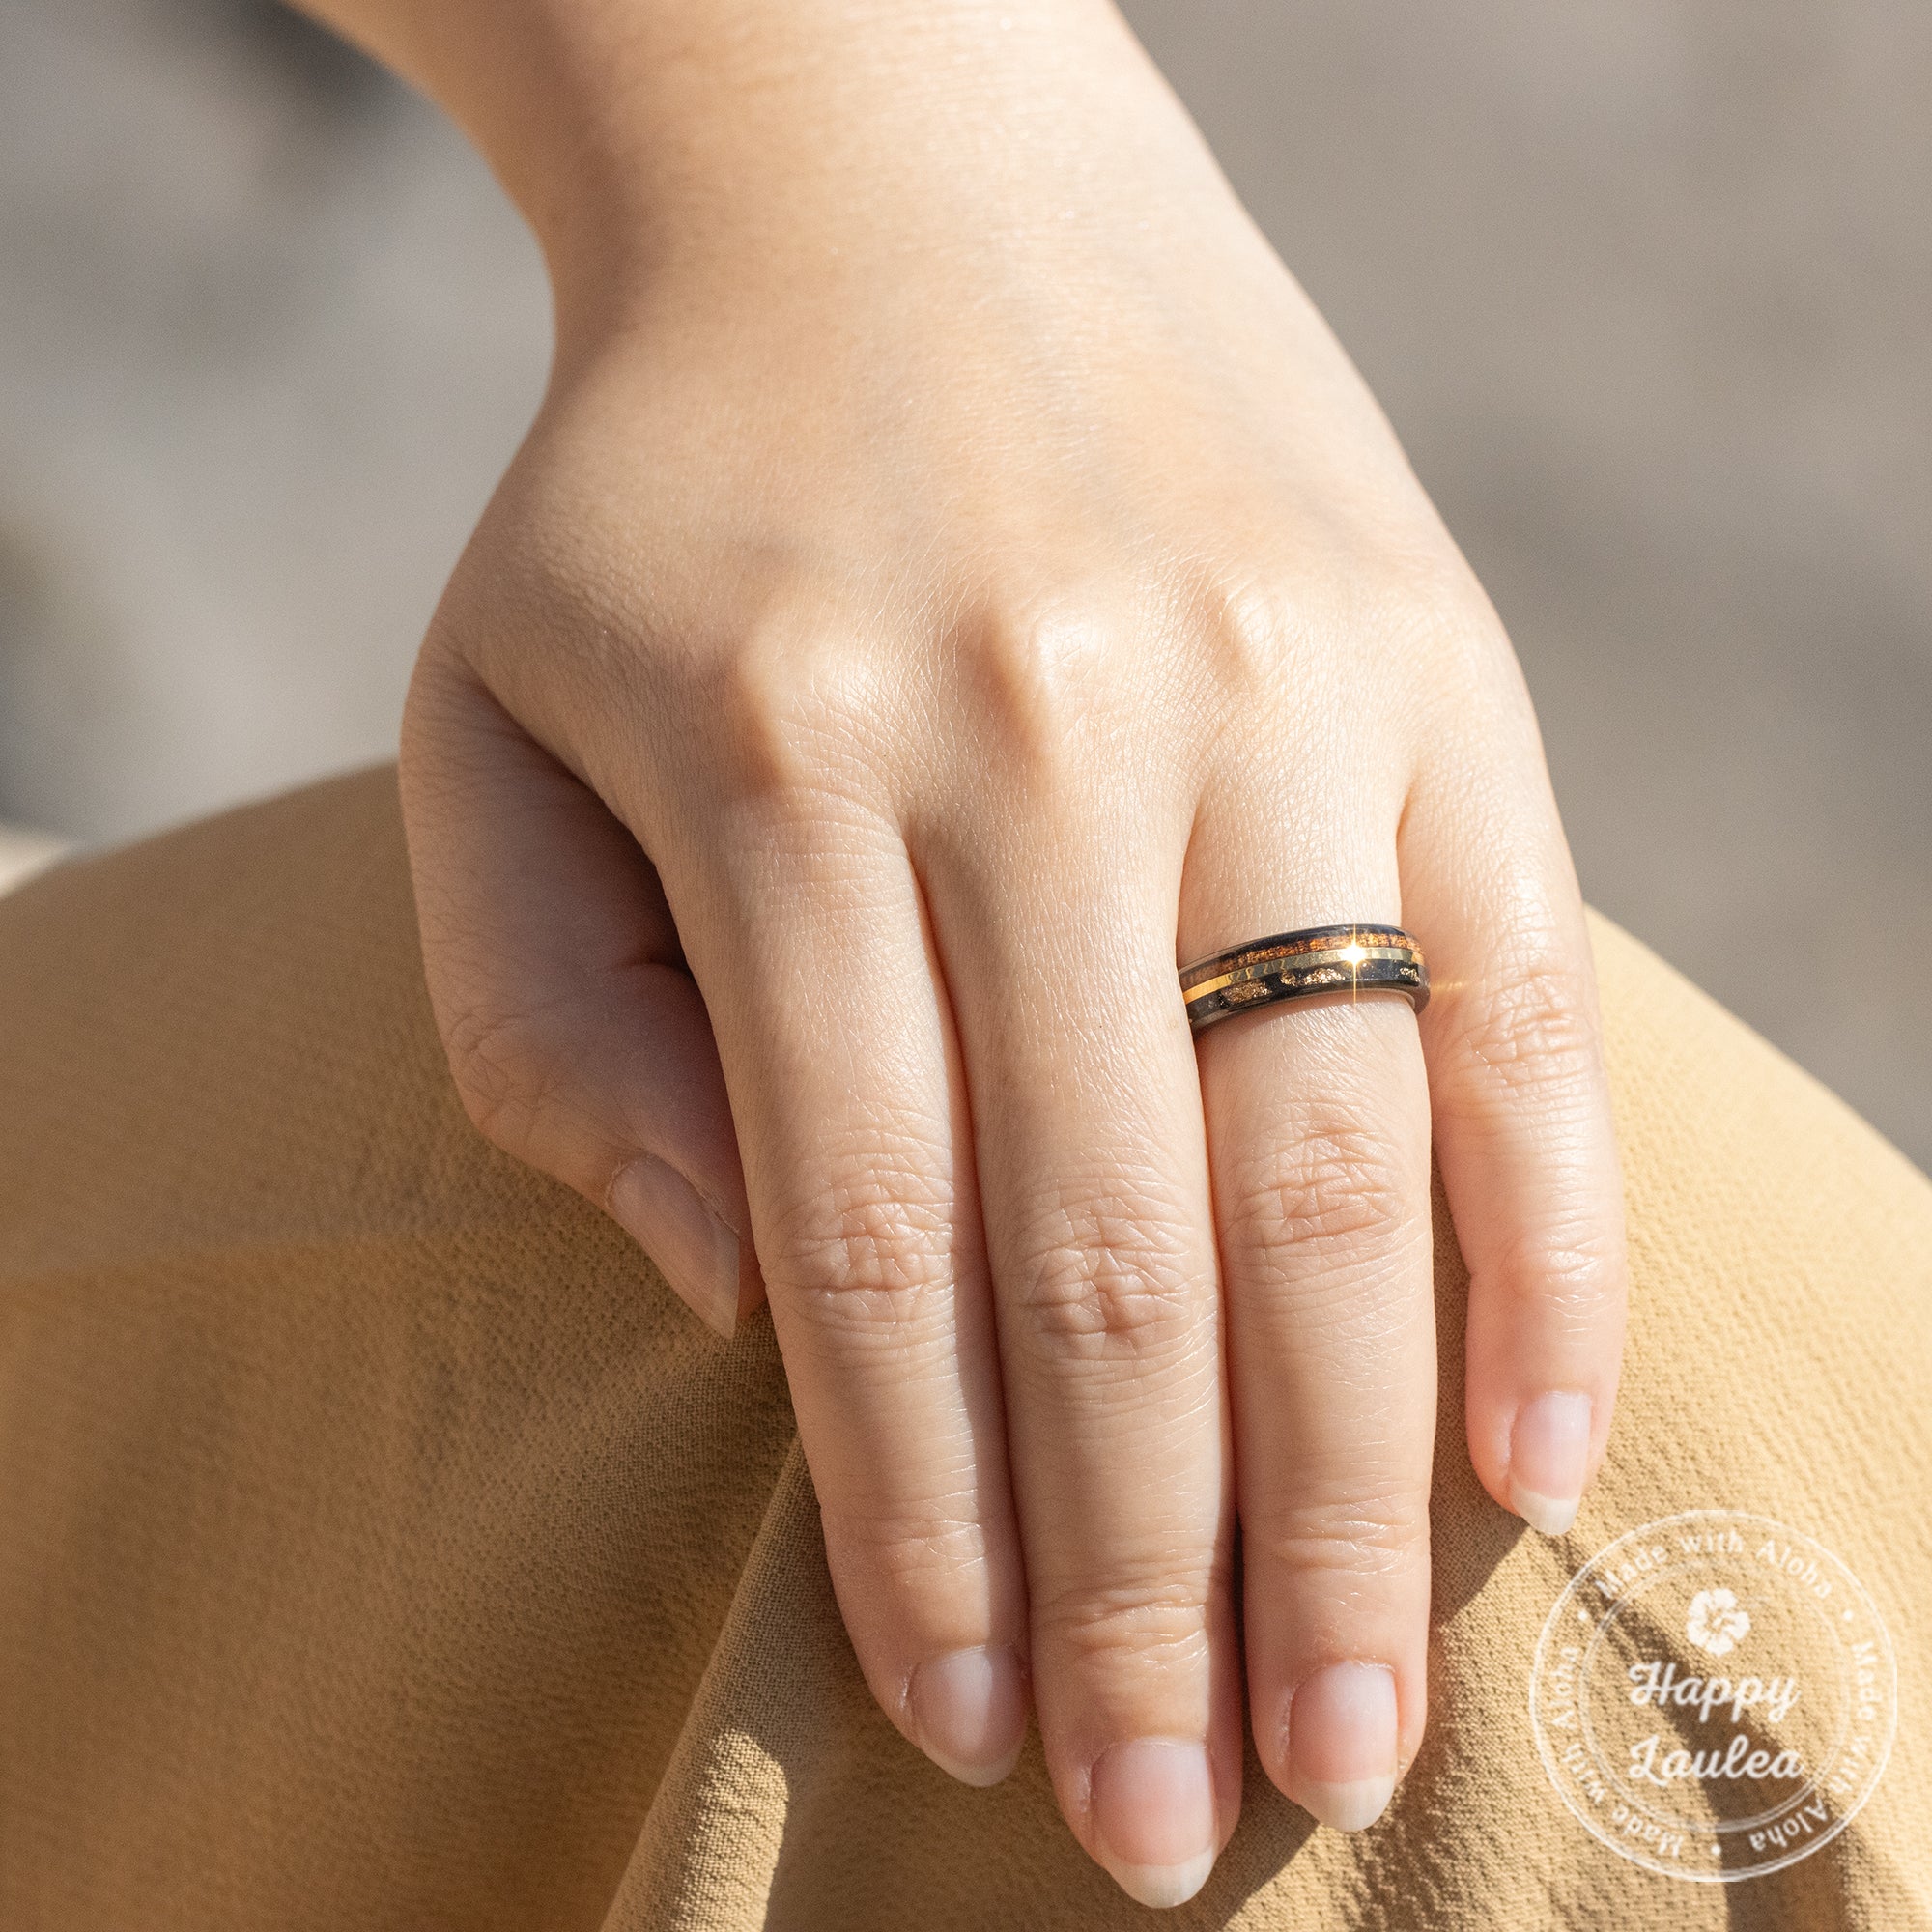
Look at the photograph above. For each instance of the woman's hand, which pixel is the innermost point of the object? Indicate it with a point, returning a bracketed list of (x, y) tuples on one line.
[(956, 578)]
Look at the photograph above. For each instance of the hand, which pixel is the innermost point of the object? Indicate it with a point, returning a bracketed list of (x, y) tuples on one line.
[(956, 578)]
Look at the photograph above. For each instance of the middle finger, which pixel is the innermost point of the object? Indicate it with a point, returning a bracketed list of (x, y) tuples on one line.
[(1093, 1180)]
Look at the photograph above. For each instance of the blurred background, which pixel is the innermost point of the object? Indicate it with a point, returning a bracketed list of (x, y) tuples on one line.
[(1646, 286)]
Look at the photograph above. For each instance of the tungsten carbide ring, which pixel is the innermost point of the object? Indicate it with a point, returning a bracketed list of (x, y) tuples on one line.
[(1352, 960)]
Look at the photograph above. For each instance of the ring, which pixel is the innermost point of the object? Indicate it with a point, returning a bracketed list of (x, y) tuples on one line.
[(1298, 965)]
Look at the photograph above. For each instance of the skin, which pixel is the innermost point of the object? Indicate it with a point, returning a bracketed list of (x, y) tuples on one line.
[(954, 578)]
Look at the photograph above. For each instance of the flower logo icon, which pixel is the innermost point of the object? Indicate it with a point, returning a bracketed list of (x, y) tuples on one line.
[(1717, 1622)]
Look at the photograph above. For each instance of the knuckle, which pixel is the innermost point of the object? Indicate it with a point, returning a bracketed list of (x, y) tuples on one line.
[(1329, 1181), (873, 1247), (1145, 1615), (1037, 668), (1109, 1276), (906, 1545), (1367, 1539), (800, 702), (1531, 1021), (1253, 628), (1568, 1275), (505, 1077)]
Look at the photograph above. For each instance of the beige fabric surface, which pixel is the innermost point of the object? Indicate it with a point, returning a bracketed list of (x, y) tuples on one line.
[(383, 1546)]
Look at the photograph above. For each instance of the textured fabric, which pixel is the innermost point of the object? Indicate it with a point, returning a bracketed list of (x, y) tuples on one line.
[(383, 1546)]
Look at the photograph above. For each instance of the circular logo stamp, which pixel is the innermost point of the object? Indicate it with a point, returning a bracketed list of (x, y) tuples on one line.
[(1714, 1696)]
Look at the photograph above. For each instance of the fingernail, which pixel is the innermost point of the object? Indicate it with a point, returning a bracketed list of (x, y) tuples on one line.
[(698, 1253), (1342, 1744), (1550, 1450), (1153, 1814), (969, 1709)]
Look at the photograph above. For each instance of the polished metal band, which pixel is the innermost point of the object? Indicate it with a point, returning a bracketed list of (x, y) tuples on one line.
[(1352, 960)]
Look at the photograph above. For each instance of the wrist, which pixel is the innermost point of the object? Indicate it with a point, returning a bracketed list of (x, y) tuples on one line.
[(631, 133)]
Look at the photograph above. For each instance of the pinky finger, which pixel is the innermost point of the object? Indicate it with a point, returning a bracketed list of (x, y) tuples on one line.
[(577, 1041), (1524, 1140)]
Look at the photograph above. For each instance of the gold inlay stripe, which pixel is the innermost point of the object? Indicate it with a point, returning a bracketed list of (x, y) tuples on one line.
[(1372, 939), (1329, 957)]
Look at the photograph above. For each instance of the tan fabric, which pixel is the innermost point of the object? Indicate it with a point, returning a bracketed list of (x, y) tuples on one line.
[(381, 1546)]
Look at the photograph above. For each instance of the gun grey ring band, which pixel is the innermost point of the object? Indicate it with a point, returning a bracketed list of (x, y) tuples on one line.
[(1352, 959)]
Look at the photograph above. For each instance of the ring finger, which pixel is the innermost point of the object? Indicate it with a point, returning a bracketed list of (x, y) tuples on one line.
[(1318, 1125)]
